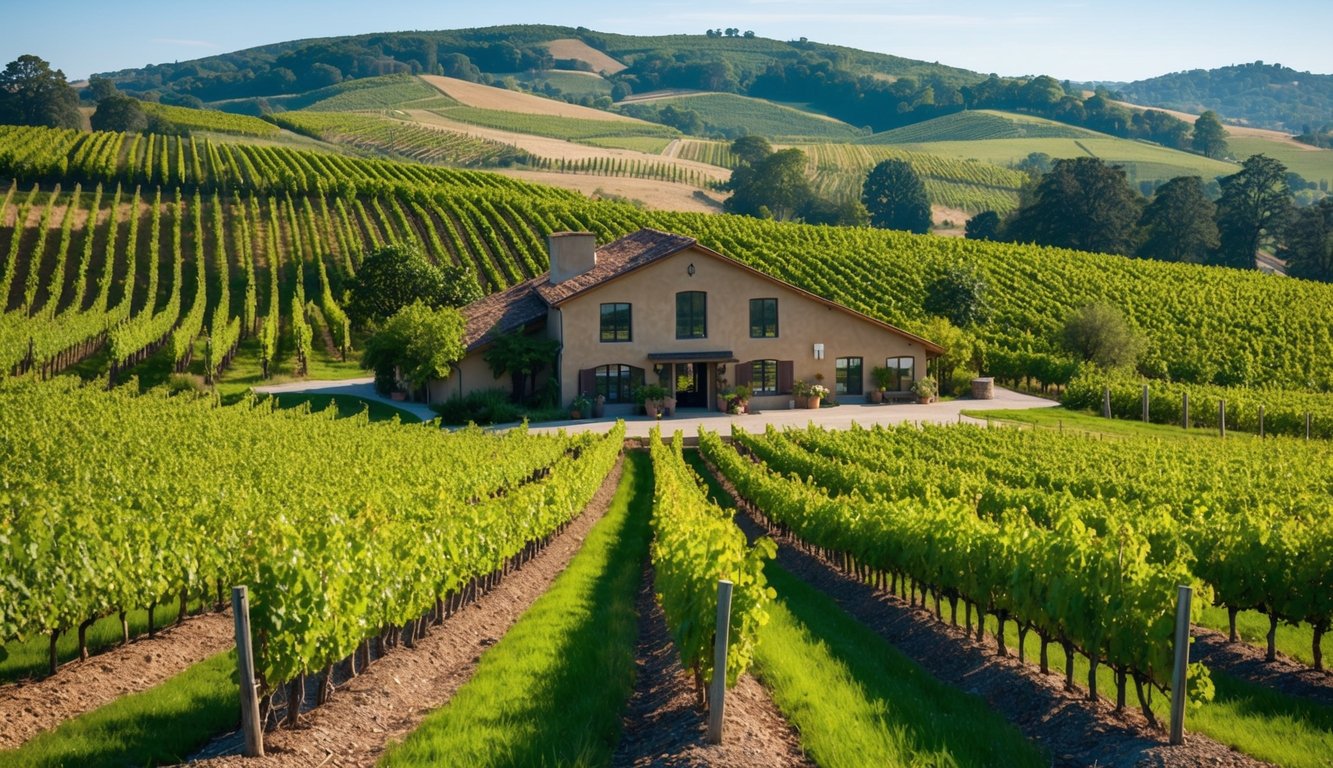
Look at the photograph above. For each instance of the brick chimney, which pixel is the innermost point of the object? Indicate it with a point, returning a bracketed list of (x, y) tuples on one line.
[(572, 254)]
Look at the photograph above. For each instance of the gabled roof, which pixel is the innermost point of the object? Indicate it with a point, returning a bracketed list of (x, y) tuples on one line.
[(614, 259), (528, 301)]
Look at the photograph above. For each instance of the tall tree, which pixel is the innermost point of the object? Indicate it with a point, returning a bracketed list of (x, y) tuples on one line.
[(1083, 203), (1254, 206), (397, 275), (1210, 138), (775, 187), (31, 93), (1309, 248), (983, 226), (896, 198), (959, 294), (119, 113), (1178, 225)]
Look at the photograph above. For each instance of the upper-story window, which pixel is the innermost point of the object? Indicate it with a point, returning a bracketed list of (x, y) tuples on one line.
[(616, 322), (763, 318), (691, 315)]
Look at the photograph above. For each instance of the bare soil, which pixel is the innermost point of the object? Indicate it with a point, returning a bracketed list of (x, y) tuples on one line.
[(656, 195), (1073, 730), (1245, 661), (78, 687), (664, 726), (390, 699), (504, 100), (570, 48)]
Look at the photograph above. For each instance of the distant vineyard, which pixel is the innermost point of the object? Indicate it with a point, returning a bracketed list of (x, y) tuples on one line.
[(211, 120), (1263, 334), (374, 94), (730, 114), (401, 139), (554, 126), (712, 152), (839, 171), (979, 126)]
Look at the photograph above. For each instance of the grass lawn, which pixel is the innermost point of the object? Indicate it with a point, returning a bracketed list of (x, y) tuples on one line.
[(159, 726), (552, 690)]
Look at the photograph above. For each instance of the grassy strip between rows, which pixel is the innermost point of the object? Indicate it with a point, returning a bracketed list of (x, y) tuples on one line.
[(552, 690), (159, 726), (857, 700), (27, 659)]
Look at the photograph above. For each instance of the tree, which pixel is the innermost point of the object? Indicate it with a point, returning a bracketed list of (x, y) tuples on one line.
[(983, 226), (523, 356), (776, 184), (100, 88), (119, 113), (31, 93), (1099, 333), (397, 275), (1309, 249), (750, 150), (1210, 138), (1254, 206), (896, 198), (1082, 203), (417, 344), (956, 368), (959, 294), (1178, 225)]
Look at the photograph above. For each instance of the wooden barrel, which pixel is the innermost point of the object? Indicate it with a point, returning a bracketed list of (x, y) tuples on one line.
[(983, 388)]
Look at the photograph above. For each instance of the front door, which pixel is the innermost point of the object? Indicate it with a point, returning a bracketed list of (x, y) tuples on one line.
[(691, 385)]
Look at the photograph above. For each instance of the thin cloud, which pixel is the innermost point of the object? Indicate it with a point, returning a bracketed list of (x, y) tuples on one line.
[(185, 42)]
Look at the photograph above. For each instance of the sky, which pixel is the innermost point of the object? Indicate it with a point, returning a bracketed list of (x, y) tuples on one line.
[(1082, 41)]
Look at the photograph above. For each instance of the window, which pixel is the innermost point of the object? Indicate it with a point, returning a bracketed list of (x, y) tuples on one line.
[(763, 318), (617, 382), (615, 322), (847, 376), (764, 377), (904, 373), (691, 315)]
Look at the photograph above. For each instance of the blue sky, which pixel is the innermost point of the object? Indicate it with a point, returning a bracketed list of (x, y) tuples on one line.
[(1124, 40)]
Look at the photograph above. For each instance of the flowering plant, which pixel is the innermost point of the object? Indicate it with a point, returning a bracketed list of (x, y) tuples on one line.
[(818, 390)]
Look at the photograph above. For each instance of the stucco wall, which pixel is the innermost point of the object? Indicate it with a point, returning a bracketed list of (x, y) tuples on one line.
[(651, 290)]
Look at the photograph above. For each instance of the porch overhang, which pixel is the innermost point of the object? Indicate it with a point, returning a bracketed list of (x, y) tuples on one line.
[(693, 357)]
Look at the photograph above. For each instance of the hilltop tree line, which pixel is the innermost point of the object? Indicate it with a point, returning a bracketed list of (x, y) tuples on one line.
[(1263, 94), (1085, 204)]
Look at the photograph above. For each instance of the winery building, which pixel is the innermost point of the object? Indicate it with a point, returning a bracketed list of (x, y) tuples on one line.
[(659, 308)]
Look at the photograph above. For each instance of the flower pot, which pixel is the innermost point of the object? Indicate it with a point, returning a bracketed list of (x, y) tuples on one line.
[(722, 403), (651, 408), (874, 397), (924, 400), (599, 407), (576, 415), (398, 396), (812, 403)]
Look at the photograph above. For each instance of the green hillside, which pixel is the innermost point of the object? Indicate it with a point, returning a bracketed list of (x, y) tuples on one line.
[(980, 125), (1266, 333), (1267, 95), (733, 115), (1312, 164)]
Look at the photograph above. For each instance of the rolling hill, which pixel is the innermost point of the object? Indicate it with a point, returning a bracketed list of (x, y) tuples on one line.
[(1266, 95)]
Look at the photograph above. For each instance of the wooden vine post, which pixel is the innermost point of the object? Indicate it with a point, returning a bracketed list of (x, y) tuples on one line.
[(1222, 418), (245, 664), (1106, 403), (718, 689), (1145, 403), (1178, 671), (1261, 421), (1185, 410)]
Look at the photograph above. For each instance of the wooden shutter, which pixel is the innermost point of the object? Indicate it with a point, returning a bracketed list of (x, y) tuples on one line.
[(745, 374), (588, 382), (786, 376)]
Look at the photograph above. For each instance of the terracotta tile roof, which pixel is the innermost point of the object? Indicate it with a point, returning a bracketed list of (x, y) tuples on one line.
[(501, 312), (527, 301), (629, 252)]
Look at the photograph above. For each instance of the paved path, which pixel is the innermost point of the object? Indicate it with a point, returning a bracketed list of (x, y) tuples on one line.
[(363, 388), (841, 417)]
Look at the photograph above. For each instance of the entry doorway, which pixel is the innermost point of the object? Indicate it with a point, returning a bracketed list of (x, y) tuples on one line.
[(691, 384)]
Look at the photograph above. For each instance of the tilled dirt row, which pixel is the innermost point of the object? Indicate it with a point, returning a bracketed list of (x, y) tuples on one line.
[(1245, 661), (392, 697), (1073, 730), (78, 687), (665, 727)]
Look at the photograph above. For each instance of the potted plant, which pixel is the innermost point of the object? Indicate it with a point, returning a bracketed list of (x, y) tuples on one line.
[(651, 396), (883, 378), (669, 405), (579, 406), (926, 389), (599, 407), (738, 399), (721, 389), (817, 393)]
